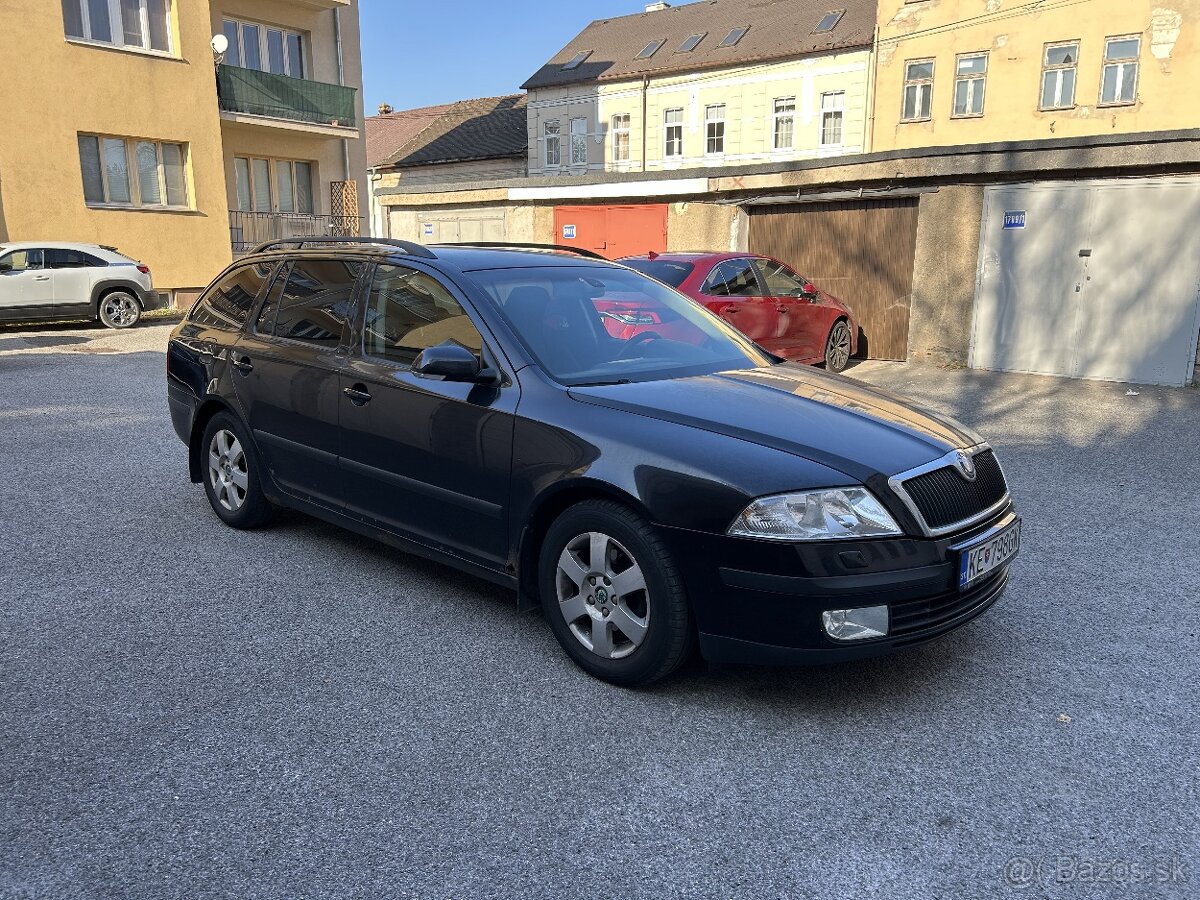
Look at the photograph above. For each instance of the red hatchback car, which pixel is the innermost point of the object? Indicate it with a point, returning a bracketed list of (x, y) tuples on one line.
[(765, 300)]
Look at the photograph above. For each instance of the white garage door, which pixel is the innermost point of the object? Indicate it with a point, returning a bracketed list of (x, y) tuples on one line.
[(449, 227), (1090, 280)]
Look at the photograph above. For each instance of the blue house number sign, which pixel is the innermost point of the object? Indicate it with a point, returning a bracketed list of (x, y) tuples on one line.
[(1014, 219)]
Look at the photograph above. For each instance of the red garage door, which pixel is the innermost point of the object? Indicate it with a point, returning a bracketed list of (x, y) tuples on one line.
[(613, 231)]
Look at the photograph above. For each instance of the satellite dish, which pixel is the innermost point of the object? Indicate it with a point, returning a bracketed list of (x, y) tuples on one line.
[(220, 44)]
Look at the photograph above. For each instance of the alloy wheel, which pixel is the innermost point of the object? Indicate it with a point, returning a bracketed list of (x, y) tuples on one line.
[(119, 310), (227, 470), (602, 595), (837, 355)]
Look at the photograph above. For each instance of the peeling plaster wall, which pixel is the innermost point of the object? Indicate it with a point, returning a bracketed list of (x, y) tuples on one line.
[(1169, 68)]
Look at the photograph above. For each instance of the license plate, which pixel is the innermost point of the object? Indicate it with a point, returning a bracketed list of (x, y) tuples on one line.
[(988, 555)]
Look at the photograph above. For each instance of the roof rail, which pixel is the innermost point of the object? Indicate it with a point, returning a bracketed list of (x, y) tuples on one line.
[(513, 245), (298, 243)]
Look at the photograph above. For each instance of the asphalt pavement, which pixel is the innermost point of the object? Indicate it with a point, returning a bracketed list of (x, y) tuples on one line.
[(187, 711)]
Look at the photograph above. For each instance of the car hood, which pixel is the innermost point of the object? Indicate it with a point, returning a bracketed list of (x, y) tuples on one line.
[(829, 419)]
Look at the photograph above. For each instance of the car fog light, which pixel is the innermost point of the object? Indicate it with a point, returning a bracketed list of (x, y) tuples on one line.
[(856, 624)]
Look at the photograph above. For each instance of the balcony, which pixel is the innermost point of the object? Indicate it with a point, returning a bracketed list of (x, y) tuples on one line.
[(297, 102), (249, 229)]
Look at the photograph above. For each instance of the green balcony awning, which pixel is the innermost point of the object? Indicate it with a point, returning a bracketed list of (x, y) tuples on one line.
[(280, 97)]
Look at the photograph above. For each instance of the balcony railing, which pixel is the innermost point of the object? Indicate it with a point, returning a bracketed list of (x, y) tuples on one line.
[(249, 229), (280, 97)]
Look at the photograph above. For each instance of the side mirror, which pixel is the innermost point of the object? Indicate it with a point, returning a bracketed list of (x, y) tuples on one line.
[(453, 362), (810, 291), (6, 267)]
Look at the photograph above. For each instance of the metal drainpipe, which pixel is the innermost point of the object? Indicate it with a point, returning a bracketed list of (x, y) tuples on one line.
[(645, 124), (337, 34), (872, 74)]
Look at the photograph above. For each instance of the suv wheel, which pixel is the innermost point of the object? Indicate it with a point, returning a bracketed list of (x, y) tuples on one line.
[(231, 474), (120, 309), (613, 596)]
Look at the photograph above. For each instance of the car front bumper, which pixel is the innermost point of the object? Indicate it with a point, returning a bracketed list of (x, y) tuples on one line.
[(761, 601)]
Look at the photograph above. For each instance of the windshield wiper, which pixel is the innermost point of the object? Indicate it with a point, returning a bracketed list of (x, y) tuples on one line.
[(601, 383)]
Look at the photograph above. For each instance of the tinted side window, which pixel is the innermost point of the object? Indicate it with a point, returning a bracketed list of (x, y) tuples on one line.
[(317, 301), (266, 316), (409, 311), (732, 278), (24, 260), (228, 302), (72, 259), (781, 281)]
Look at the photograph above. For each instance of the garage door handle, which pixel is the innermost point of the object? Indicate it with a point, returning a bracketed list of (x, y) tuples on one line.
[(359, 395), (244, 365)]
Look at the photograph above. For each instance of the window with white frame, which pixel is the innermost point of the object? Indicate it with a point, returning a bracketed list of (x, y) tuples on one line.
[(129, 172), (714, 129), (274, 185), (620, 138), (833, 112), (552, 142), (673, 132), (918, 90), (579, 136), (1118, 84), (264, 47), (785, 123), (1059, 63), (970, 77), (141, 24)]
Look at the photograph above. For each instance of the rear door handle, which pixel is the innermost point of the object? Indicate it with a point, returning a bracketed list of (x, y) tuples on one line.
[(244, 365), (41, 278), (359, 395)]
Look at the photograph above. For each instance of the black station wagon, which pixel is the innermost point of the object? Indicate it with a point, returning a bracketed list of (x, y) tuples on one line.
[(653, 488)]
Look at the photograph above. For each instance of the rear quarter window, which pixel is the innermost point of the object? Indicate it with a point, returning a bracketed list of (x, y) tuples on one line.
[(228, 303)]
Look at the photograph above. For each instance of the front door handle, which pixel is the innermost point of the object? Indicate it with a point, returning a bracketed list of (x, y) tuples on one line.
[(244, 365), (41, 278), (359, 395)]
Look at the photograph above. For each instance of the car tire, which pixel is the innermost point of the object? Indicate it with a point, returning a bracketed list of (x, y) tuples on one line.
[(232, 474), (837, 346), (630, 639), (119, 309)]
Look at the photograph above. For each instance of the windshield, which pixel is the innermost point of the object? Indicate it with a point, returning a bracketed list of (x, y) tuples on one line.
[(605, 325), (666, 271)]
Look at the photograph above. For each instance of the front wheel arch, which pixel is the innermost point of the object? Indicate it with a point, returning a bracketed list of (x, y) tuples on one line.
[(546, 508)]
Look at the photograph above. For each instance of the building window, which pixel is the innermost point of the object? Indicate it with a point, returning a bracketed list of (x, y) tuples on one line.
[(918, 90), (274, 185), (620, 138), (262, 47), (833, 111), (142, 24), (714, 129), (133, 173), (1119, 83), (970, 75), (553, 145), (579, 136), (673, 132), (785, 123), (1058, 75)]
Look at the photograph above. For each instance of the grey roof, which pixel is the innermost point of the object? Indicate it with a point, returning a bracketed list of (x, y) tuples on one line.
[(779, 29), (486, 128)]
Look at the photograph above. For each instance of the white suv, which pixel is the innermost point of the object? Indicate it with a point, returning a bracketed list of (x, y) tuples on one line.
[(40, 280)]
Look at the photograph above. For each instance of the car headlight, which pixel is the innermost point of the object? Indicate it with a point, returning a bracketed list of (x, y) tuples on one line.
[(829, 514)]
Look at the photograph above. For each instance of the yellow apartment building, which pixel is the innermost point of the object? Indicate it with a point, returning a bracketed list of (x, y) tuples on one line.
[(181, 132), (952, 72)]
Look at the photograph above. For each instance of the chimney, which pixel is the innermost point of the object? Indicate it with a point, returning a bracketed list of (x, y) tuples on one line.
[(385, 109), (657, 6)]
